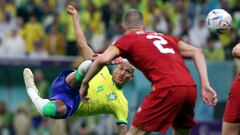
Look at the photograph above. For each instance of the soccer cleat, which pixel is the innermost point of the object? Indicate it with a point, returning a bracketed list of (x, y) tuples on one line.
[(29, 80)]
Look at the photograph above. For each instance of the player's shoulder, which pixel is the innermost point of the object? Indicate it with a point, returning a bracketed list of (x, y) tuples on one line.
[(144, 33), (105, 70), (170, 37), (105, 74), (129, 36)]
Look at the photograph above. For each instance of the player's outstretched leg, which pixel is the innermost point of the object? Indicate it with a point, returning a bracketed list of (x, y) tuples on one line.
[(44, 106)]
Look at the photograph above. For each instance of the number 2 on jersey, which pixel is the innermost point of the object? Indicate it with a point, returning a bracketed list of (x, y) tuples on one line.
[(159, 43)]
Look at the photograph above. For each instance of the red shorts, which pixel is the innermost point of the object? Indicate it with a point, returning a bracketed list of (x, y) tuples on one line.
[(167, 107), (232, 110)]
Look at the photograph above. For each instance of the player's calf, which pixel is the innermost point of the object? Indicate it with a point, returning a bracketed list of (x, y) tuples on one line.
[(45, 107), (55, 109)]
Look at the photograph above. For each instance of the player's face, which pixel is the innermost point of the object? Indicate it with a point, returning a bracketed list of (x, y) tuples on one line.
[(122, 73)]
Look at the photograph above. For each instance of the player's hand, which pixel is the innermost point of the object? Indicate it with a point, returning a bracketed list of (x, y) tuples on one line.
[(71, 10), (85, 99), (117, 60), (209, 96), (83, 92), (95, 56)]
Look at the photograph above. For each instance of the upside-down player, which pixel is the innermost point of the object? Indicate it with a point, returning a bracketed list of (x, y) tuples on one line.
[(105, 91)]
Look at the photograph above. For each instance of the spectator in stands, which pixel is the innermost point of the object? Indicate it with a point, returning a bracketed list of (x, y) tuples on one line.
[(7, 24), (20, 25), (235, 12), (161, 23), (22, 120), (199, 33), (181, 29), (39, 51), (31, 8), (10, 8), (5, 119), (13, 45), (98, 30), (57, 127), (214, 50), (54, 42), (33, 32)]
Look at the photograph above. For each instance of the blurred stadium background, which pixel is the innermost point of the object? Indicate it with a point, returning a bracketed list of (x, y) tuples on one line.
[(39, 34)]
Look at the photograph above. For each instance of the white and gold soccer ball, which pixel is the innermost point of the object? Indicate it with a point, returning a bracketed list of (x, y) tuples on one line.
[(219, 21)]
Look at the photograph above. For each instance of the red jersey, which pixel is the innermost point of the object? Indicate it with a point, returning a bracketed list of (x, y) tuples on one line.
[(237, 77), (157, 56), (232, 110)]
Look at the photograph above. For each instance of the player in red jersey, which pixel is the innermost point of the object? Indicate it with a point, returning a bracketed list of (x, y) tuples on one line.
[(172, 99), (231, 118)]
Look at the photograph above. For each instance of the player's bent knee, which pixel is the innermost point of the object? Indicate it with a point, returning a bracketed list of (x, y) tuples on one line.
[(50, 110)]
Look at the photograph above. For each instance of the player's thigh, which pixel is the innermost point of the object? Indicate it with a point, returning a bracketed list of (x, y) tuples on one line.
[(61, 107), (230, 128), (232, 109), (136, 131), (185, 117), (158, 110)]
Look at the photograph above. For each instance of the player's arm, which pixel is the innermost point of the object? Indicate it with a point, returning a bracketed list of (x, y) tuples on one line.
[(84, 49), (209, 95), (96, 66), (121, 116), (236, 51), (196, 54)]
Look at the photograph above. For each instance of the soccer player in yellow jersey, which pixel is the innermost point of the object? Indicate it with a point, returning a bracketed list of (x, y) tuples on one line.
[(105, 92)]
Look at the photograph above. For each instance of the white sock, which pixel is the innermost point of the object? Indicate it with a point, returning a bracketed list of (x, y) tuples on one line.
[(84, 66), (37, 100)]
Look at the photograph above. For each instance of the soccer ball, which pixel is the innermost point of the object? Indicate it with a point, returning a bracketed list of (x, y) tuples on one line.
[(219, 21)]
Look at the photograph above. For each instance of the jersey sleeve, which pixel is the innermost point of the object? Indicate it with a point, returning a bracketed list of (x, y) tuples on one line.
[(173, 39), (123, 44), (121, 114)]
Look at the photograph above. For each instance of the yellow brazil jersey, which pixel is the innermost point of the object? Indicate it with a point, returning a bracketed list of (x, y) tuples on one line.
[(105, 98)]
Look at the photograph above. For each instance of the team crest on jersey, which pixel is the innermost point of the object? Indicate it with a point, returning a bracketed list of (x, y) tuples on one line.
[(112, 96)]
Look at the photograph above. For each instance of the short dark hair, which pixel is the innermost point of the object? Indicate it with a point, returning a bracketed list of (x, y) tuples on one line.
[(133, 18)]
